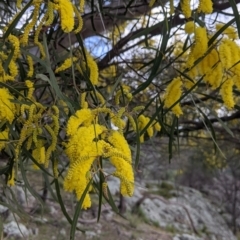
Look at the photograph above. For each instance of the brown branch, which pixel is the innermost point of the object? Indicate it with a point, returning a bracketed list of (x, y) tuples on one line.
[(200, 125)]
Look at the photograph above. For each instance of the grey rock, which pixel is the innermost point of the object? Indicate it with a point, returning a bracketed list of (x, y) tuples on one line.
[(188, 212), (186, 237), (16, 230)]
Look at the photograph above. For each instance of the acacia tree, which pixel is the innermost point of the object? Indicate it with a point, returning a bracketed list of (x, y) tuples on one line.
[(87, 79)]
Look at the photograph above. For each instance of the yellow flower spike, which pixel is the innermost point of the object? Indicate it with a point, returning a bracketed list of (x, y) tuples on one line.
[(214, 78), (31, 89), (36, 36), (56, 110), (50, 14), (200, 47), (11, 177), (3, 138), (119, 93), (186, 10), (205, 6), (55, 168), (13, 69), (7, 108), (150, 128), (39, 153), (225, 55), (66, 64), (172, 95), (82, 99), (66, 15), (131, 120), (117, 121), (100, 98), (82, 3), (138, 108), (77, 179), (105, 189), (120, 157), (52, 146), (29, 142), (93, 67), (127, 187), (78, 119), (30, 114), (28, 28), (115, 153), (16, 46), (34, 136), (227, 93), (230, 31), (142, 122), (22, 138), (157, 126), (83, 141), (79, 18), (189, 27), (55, 124), (120, 143), (30, 66)]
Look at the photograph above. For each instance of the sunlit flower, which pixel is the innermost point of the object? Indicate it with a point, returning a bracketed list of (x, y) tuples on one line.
[(3, 138), (66, 15), (172, 95), (205, 6), (7, 108), (230, 31), (189, 27), (186, 9), (227, 93), (66, 64)]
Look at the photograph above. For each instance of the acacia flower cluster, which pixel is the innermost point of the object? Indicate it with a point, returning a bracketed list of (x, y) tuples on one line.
[(88, 142)]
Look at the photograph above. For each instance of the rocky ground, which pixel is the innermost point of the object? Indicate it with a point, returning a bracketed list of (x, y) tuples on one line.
[(163, 207), (158, 210)]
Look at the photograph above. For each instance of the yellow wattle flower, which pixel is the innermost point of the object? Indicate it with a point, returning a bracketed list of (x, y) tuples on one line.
[(215, 76), (172, 95), (93, 67), (7, 108), (66, 64), (3, 137), (205, 6), (81, 116), (28, 28), (30, 66), (186, 9), (225, 55), (13, 69), (82, 149), (124, 168), (50, 14), (230, 31), (189, 27), (80, 21), (16, 45), (81, 5), (227, 93), (66, 15), (11, 181), (200, 47), (30, 86)]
